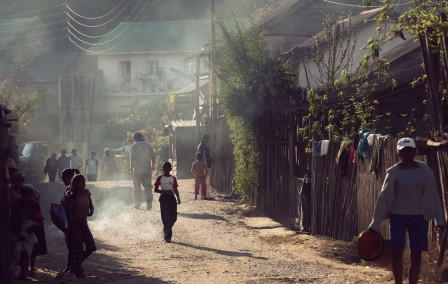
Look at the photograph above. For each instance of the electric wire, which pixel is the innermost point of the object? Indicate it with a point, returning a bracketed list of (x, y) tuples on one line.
[(14, 21), (94, 18), (27, 28), (123, 39), (30, 12), (33, 43), (101, 36), (33, 34), (105, 23), (350, 5), (100, 43)]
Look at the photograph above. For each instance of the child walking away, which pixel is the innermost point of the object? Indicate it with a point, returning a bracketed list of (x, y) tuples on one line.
[(166, 185), (199, 170)]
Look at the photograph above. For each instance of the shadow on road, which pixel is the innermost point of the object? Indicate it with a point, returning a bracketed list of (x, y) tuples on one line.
[(202, 216), (223, 252)]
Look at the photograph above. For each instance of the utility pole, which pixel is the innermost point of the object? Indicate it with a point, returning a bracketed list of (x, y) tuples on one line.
[(196, 97), (212, 84)]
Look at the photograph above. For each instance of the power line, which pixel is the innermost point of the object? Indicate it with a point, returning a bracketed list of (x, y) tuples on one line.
[(101, 43), (27, 28), (350, 5), (34, 34), (30, 12), (101, 36), (123, 39), (30, 19), (94, 18), (105, 23), (33, 43)]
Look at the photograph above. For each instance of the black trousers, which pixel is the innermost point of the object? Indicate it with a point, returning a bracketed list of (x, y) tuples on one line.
[(168, 211)]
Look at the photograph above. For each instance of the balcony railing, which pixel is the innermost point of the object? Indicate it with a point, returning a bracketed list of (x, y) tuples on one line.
[(145, 84)]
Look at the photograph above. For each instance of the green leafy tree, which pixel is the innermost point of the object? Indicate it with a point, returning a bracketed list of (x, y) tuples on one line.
[(12, 95), (251, 83), (132, 117), (340, 104)]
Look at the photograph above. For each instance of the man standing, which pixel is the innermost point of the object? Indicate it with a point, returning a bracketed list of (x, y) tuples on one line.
[(143, 159), (63, 162), (75, 160)]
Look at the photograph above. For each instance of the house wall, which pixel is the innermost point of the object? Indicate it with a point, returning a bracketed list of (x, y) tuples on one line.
[(178, 71), (363, 33)]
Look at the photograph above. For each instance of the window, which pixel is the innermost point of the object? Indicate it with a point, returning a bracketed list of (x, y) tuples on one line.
[(125, 69), (189, 66), (152, 66)]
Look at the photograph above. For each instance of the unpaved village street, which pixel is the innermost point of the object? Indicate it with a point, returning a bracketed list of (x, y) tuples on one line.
[(213, 242)]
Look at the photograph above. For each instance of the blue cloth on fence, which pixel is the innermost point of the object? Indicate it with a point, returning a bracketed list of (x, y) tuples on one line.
[(316, 148), (363, 146)]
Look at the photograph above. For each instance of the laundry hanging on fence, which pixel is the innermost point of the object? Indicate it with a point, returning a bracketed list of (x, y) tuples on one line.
[(316, 148), (345, 142), (363, 146), (320, 148), (375, 162), (324, 147)]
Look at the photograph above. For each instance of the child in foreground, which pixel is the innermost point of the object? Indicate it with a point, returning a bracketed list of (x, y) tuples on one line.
[(166, 185)]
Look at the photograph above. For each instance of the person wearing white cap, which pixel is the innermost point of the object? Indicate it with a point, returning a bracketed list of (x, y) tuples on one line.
[(409, 199)]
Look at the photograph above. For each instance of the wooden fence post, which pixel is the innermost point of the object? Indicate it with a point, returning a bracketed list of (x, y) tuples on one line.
[(5, 236)]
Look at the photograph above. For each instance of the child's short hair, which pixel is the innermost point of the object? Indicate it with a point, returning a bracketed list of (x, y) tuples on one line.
[(167, 166), (199, 156)]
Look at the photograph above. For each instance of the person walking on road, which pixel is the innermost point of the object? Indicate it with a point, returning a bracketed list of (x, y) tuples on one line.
[(143, 160), (79, 207), (75, 160), (63, 162), (51, 167), (91, 169), (204, 149), (199, 170), (109, 167), (409, 199), (166, 185)]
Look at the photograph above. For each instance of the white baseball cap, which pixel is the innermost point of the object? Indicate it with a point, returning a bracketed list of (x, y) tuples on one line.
[(405, 142)]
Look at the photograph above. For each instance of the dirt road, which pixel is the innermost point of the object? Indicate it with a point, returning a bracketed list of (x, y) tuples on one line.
[(213, 242)]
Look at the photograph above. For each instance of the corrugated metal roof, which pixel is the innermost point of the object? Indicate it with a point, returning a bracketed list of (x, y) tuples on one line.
[(173, 36), (192, 87), (183, 123)]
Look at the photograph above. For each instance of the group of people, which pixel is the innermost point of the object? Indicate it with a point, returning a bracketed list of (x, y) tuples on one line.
[(28, 234), (142, 164), (143, 160), (92, 167)]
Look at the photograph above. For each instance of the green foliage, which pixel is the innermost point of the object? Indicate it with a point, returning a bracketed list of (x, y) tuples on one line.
[(132, 117), (251, 83), (160, 144), (246, 154), (425, 21), (341, 105), (22, 105)]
